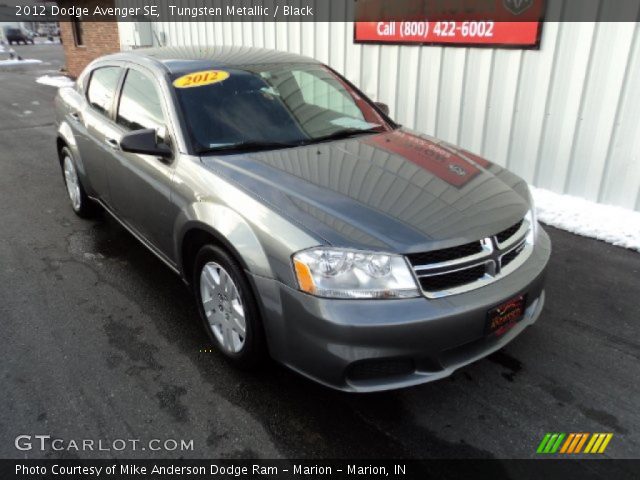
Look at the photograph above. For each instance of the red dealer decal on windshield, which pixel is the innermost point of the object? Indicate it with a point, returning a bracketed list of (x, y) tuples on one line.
[(443, 164)]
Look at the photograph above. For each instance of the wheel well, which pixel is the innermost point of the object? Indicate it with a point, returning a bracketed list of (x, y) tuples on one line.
[(60, 144), (193, 241)]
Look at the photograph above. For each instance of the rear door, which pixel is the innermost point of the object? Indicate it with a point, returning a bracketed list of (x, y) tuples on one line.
[(95, 121)]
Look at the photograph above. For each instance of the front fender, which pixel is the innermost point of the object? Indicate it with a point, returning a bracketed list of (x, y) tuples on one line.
[(228, 227)]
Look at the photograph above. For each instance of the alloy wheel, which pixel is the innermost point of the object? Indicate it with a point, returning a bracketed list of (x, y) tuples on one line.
[(223, 307), (72, 182)]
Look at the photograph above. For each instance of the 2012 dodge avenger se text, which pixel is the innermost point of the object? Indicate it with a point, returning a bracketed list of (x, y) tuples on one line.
[(310, 226)]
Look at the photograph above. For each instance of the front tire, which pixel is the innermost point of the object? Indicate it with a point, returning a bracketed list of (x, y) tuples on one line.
[(82, 205), (227, 307)]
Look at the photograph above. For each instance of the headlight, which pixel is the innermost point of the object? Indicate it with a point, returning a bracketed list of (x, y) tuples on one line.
[(340, 273)]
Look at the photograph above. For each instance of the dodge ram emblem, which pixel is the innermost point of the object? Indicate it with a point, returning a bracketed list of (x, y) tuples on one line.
[(517, 6)]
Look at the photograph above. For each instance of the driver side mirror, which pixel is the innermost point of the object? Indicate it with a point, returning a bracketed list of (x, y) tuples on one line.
[(384, 108), (145, 142)]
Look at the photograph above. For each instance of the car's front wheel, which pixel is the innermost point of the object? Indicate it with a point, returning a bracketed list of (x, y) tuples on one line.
[(228, 307), (82, 205)]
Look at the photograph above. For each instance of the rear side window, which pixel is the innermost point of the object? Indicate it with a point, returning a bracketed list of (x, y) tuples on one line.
[(139, 103), (102, 88)]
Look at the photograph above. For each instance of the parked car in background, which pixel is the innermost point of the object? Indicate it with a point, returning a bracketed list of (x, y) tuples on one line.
[(18, 35), (308, 224)]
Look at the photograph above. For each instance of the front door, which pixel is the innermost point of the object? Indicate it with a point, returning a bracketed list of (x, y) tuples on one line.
[(140, 185)]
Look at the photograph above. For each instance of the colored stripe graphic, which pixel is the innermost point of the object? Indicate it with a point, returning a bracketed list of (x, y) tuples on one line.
[(556, 445), (598, 443), (573, 443), (581, 442), (568, 442), (550, 443), (543, 443)]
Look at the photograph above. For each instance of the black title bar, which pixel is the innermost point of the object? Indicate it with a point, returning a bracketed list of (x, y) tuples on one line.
[(321, 10)]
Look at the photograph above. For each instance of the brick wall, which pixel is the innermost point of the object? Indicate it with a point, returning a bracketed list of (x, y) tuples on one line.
[(99, 38)]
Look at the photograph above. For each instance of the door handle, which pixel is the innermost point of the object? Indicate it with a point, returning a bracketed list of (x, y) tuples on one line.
[(112, 143), (75, 116)]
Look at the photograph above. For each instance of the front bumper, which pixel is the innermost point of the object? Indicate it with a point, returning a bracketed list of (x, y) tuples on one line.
[(373, 345)]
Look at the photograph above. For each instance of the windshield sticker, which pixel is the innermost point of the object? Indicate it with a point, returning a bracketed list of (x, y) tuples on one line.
[(350, 122), (200, 79)]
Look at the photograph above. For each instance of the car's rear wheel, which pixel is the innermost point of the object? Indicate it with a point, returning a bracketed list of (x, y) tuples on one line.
[(82, 205), (228, 307)]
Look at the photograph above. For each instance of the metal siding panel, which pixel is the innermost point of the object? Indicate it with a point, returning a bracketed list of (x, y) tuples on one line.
[(388, 78), (353, 57), (567, 85), (531, 105), (258, 34), (236, 33), (474, 99), (322, 40), (407, 85), (337, 50), (247, 34), (308, 39), (282, 36), (450, 94), (429, 77), (269, 35), (295, 44), (502, 95), (369, 77), (602, 90), (621, 180)]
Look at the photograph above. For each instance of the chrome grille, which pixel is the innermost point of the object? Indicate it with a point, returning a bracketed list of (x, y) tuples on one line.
[(464, 268)]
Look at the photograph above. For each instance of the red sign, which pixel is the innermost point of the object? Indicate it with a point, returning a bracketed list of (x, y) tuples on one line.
[(481, 32)]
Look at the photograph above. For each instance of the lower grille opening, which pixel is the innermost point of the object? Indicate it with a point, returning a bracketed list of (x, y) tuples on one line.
[(452, 279), (382, 368)]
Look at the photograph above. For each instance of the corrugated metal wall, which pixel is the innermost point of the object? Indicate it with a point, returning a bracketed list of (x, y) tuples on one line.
[(565, 117)]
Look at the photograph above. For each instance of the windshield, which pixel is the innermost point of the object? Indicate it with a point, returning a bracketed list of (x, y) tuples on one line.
[(271, 107)]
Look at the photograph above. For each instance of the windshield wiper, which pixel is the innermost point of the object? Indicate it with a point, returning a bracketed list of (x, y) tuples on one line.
[(345, 133), (248, 146)]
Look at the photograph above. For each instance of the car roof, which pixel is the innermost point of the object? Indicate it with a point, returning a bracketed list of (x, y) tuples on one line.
[(188, 59)]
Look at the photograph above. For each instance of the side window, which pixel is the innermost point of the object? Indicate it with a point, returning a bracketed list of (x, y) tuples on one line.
[(102, 87), (139, 103), (321, 93)]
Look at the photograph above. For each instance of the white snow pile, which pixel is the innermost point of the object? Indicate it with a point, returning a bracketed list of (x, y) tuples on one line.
[(55, 80), (615, 225), (26, 61)]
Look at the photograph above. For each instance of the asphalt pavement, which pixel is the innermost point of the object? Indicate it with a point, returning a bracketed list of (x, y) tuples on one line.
[(101, 341)]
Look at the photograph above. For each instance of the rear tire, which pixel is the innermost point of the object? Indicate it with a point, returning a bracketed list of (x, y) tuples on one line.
[(228, 308), (81, 204)]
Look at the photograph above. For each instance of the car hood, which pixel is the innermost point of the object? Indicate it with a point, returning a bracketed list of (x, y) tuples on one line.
[(397, 191)]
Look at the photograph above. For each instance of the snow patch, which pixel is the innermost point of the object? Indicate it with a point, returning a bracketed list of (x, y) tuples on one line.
[(55, 81), (615, 225), (26, 61)]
